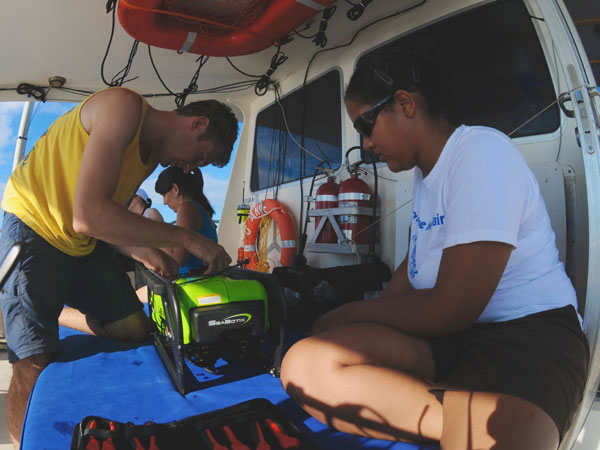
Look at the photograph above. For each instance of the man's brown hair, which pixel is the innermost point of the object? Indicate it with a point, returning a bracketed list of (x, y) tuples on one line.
[(222, 127)]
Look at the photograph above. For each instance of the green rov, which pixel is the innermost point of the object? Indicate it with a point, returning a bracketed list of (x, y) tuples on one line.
[(234, 315)]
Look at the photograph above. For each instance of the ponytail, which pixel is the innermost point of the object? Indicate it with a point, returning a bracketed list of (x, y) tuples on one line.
[(191, 184), (198, 191)]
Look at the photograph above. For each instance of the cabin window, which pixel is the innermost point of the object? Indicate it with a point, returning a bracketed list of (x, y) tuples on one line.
[(502, 76), (314, 121)]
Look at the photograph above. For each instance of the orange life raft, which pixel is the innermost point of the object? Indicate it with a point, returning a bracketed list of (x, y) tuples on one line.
[(287, 232), (218, 27)]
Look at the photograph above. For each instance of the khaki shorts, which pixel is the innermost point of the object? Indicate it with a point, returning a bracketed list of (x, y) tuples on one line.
[(542, 358)]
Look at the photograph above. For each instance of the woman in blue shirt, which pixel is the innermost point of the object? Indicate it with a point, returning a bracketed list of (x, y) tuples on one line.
[(184, 194)]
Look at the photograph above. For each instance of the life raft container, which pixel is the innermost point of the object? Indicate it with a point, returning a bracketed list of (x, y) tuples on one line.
[(218, 28), (285, 224)]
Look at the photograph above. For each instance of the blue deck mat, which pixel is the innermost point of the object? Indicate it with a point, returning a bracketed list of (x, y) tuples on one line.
[(128, 383)]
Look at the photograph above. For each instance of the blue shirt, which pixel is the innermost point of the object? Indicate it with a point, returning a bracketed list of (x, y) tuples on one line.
[(206, 230)]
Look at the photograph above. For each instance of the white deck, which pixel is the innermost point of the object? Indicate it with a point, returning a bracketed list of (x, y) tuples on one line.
[(5, 375)]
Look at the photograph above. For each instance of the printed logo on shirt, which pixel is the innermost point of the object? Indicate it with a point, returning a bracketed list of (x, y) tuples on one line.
[(436, 221), (412, 261)]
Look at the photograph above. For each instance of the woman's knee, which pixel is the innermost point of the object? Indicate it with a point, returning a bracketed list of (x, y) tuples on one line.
[(306, 364), (295, 363)]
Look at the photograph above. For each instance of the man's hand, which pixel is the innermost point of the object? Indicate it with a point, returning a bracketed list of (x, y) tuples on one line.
[(213, 255), (161, 263)]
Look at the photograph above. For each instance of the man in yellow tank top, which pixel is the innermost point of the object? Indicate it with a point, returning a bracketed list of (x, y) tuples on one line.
[(66, 202)]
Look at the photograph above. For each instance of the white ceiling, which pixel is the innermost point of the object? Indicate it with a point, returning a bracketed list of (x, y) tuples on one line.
[(44, 38)]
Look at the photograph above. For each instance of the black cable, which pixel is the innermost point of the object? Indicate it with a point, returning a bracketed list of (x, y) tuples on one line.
[(119, 78), (320, 150), (360, 30), (110, 6), (351, 149), (231, 87), (283, 141), (357, 11), (158, 74), (303, 36), (306, 26), (75, 91), (239, 70), (320, 39), (37, 92), (262, 85), (192, 86)]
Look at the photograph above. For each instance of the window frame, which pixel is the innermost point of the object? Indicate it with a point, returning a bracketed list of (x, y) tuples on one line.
[(543, 51), (296, 90)]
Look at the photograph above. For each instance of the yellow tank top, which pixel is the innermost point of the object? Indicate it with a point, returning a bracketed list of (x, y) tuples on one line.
[(41, 190)]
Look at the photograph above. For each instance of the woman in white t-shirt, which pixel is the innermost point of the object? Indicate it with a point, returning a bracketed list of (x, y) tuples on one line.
[(476, 341)]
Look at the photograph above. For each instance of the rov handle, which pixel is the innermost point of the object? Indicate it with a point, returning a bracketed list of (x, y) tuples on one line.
[(157, 283)]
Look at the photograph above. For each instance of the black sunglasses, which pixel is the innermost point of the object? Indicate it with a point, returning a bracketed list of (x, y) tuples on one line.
[(366, 121)]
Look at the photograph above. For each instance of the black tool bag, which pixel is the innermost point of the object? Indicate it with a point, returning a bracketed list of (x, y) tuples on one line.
[(255, 424), (322, 290)]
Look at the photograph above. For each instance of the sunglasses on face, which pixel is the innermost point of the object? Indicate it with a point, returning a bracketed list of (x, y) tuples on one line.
[(366, 121)]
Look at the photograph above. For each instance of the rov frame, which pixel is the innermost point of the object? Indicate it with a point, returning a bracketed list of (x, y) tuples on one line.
[(171, 349)]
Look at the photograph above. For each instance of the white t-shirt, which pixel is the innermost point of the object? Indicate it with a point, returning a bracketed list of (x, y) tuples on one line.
[(481, 189)]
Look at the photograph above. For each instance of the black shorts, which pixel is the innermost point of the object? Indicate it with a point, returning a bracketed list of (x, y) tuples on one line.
[(542, 358)]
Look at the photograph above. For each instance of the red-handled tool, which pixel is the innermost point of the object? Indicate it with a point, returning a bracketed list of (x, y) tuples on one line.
[(93, 443), (109, 444), (207, 435), (152, 446), (286, 441), (139, 446), (262, 443), (233, 440)]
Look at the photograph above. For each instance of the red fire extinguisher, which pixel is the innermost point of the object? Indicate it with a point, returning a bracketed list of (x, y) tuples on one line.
[(354, 192), (327, 197)]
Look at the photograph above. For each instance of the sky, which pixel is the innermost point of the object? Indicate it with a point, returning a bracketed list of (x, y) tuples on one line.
[(43, 114)]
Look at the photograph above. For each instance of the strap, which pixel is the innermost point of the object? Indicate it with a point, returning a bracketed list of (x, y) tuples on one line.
[(312, 4)]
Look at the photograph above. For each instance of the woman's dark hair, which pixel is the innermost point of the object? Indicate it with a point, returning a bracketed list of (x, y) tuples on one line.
[(416, 66), (191, 184)]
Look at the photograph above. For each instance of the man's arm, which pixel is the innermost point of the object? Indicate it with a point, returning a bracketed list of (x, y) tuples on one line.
[(153, 258), (467, 278), (112, 120)]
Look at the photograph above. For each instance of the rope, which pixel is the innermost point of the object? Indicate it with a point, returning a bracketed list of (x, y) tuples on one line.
[(560, 97), (263, 215), (262, 264)]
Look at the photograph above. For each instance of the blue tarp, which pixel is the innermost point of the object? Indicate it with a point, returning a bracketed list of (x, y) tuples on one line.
[(128, 383)]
